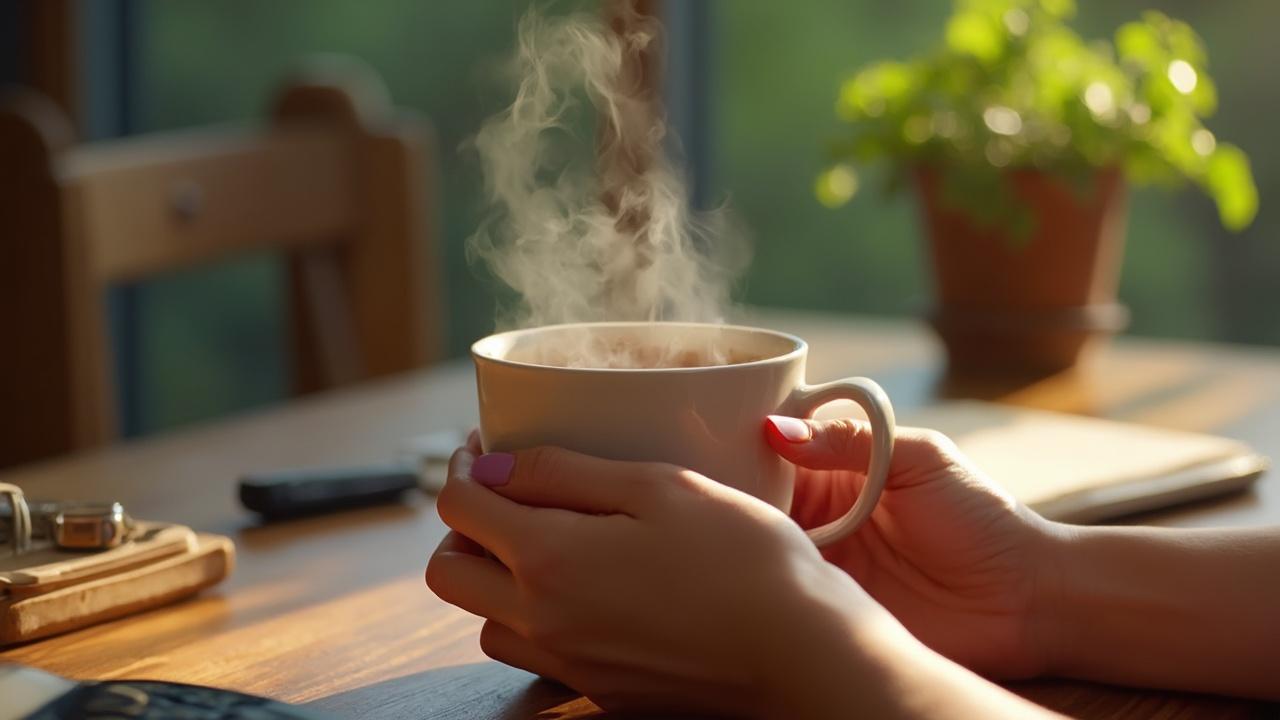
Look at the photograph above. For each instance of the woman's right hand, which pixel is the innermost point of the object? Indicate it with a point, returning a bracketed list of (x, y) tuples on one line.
[(953, 556)]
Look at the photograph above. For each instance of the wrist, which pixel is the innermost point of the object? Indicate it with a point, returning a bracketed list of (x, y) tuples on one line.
[(1049, 623), (876, 668), (863, 663), (844, 652)]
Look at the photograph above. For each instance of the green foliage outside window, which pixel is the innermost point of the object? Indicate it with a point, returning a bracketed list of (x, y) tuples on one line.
[(1012, 86)]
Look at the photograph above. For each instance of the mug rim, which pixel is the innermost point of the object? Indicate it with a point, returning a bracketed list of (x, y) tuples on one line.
[(798, 349)]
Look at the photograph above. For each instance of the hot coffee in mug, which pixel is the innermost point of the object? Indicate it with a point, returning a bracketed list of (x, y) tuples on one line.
[(691, 394)]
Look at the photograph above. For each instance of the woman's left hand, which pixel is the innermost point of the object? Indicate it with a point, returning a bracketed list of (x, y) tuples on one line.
[(641, 585)]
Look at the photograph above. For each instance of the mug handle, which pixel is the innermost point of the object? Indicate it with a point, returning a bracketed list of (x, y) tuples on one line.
[(806, 399)]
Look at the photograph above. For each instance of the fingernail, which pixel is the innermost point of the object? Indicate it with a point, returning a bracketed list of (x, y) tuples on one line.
[(493, 469), (791, 429)]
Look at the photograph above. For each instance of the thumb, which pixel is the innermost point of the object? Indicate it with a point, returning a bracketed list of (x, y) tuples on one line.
[(842, 444), (553, 477)]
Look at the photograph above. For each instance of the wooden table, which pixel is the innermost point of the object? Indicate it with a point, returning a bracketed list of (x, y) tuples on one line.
[(333, 610)]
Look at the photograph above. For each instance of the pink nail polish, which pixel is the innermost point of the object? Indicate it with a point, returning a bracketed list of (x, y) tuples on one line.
[(493, 469), (790, 429)]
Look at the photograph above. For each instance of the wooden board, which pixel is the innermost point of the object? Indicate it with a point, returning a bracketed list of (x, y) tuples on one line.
[(106, 597)]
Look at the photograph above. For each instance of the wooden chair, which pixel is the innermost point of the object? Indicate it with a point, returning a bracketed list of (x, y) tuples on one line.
[(333, 181)]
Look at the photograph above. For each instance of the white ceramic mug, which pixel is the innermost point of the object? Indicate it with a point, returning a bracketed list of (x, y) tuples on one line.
[(709, 419)]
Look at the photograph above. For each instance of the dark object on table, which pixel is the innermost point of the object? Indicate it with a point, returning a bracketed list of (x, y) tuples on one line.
[(37, 695), (291, 493)]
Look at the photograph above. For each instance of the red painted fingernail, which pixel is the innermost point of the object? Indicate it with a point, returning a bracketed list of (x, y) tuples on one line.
[(493, 469), (790, 429)]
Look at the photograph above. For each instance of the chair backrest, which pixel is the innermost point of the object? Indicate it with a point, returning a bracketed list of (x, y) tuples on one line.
[(336, 181)]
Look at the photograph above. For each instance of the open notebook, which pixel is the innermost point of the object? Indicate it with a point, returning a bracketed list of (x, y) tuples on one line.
[(1083, 469)]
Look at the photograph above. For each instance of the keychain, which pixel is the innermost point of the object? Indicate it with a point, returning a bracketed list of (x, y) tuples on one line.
[(20, 527), (68, 525)]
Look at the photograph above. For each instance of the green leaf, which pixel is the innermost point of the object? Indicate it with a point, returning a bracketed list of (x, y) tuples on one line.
[(977, 34), (1185, 43), (1204, 98), (1230, 182), (1171, 137), (1062, 9), (1139, 43), (894, 80), (871, 91)]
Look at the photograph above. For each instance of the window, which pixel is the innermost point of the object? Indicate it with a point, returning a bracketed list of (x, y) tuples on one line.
[(209, 342)]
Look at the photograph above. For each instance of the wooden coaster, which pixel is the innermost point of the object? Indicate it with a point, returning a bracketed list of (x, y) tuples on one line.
[(122, 584)]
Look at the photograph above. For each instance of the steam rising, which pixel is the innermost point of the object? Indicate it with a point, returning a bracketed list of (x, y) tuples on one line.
[(589, 236)]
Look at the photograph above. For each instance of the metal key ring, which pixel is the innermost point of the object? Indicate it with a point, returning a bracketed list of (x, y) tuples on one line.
[(20, 534)]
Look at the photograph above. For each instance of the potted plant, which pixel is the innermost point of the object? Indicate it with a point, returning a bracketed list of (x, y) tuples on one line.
[(1020, 138)]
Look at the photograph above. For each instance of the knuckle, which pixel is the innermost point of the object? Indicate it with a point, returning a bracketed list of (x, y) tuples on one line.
[(438, 576), (938, 444), (663, 484), (656, 475), (491, 642), (504, 645), (544, 463), (539, 565), (684, 477), (845, 435), (447, 504)]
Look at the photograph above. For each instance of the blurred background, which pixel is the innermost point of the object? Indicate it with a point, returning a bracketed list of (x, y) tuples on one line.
[(751, 89)]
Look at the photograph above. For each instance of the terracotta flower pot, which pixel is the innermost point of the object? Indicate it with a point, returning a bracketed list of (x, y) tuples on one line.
[(1032, 305)]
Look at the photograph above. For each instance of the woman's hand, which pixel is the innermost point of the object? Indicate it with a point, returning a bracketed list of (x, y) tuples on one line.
[(950, 554), (645, 585)]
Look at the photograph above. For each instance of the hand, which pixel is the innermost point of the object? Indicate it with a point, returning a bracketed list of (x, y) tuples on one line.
[(952, 555), (643, 585)]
